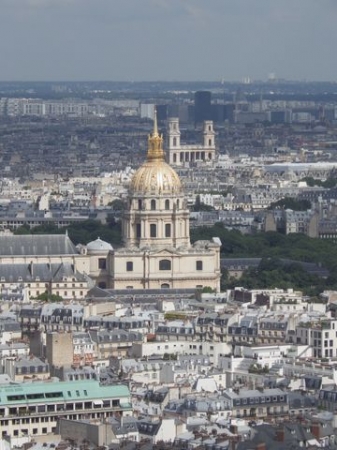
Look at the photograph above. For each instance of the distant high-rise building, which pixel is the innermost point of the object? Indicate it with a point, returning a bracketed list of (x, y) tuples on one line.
[(162, 112), (202, 106), (279, 116), (223, 112), (182, 111), (147, 110)]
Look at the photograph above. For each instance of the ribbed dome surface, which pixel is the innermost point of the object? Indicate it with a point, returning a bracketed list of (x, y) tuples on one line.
[(155, 178), (99, 245)]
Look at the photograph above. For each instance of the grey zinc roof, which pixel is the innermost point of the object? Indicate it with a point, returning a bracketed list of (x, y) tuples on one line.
[(38, 244), (116, 336), (42, 271), (30, 361), (9, 326), (128, 425)]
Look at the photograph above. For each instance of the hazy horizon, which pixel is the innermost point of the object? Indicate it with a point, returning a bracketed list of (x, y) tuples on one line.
[(167, 40)]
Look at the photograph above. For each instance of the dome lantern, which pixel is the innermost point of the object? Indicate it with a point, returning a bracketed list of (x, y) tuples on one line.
[(155, 176)]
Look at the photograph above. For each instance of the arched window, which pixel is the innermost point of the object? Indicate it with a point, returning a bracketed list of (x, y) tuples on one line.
[(153, 205), (209, 142), (165, 286), (209, 128), (209, 155), (177, 204), (174, 142), (174, 157), (167, 204), (139, 204), (164, 264)]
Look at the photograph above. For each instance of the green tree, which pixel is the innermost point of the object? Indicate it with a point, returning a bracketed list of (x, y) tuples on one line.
[(52, 298), (291, 203), (200, 206), (117, 205)]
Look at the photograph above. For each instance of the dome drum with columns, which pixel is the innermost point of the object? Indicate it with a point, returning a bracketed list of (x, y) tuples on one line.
[(157, 252)]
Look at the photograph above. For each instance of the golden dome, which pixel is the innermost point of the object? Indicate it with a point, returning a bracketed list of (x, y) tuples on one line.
[(155, 176)]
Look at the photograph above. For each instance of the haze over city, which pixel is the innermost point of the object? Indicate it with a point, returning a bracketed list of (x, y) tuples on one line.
[(130, 40)]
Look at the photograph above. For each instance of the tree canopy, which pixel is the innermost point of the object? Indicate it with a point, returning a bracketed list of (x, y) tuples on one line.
[(330, 182), (291, 203), (273, 273), (272, 246), (81, 233)]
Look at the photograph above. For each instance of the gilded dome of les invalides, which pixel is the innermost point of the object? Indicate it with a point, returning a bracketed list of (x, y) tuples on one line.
[(155, 176)]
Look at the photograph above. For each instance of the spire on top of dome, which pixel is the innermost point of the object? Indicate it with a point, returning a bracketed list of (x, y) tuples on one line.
[(155, 150), (155, 124)]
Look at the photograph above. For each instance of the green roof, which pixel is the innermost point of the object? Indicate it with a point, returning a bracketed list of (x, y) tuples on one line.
[(62, 391)]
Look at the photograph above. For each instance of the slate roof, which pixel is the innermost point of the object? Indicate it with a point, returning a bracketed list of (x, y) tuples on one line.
[(294, 435), (148, 428), (128, 425), (9, 326), (39, 271), (31, 361), (116, 336), (37, 244)]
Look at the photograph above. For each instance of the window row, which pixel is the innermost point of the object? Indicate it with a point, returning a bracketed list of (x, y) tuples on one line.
[(164, 264), (153, 205), (153, 230)]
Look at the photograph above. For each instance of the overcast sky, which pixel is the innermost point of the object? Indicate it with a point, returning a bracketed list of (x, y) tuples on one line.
[(126, 40)]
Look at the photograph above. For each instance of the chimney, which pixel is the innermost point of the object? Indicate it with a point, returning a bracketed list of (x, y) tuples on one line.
[(261, 446), (233, 429), (315, 429), (279, 434), (30, 267)]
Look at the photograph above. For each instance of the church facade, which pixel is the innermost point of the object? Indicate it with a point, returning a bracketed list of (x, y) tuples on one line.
[(182, 155), (157, 252)]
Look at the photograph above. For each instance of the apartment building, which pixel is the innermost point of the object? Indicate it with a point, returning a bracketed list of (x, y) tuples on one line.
[(321, 335), (33, 409), (256, 403)]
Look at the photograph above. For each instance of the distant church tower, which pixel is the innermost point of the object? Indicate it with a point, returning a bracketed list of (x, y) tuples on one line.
[(173, 133), (187, 155), (209, 135)]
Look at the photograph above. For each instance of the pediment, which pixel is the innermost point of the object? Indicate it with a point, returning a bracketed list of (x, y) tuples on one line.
[(165, 252)]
